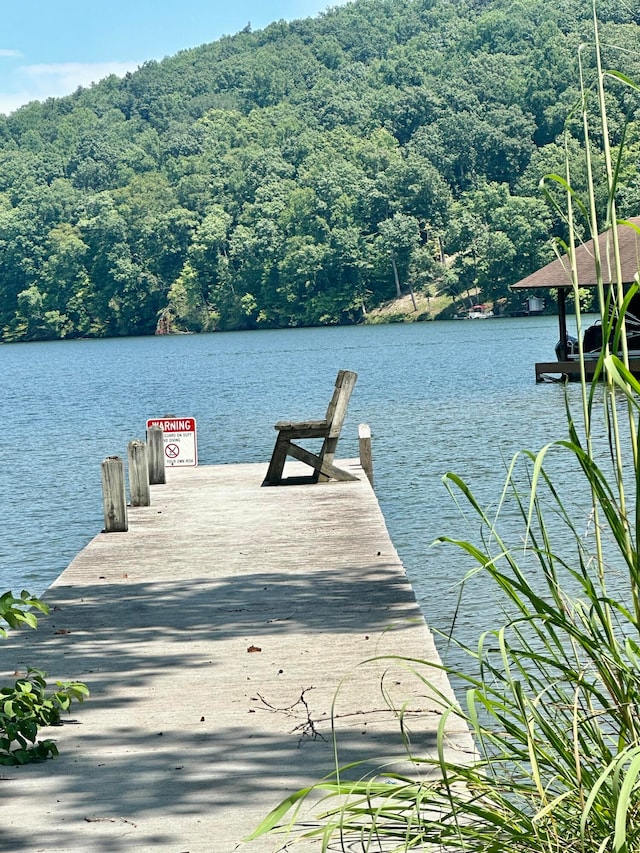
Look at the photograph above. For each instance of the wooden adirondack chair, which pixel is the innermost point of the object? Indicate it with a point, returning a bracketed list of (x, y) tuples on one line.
[(328, 429)]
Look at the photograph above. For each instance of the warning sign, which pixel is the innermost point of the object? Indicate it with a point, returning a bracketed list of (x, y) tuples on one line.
[(180, 442)]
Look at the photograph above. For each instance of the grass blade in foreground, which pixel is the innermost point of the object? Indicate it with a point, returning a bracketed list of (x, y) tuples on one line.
[(552, 694)]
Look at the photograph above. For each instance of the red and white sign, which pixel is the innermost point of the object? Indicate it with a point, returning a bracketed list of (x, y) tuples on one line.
[(180, 441)]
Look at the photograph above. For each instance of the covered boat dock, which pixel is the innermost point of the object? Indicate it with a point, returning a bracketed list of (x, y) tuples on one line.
[(557, 275)]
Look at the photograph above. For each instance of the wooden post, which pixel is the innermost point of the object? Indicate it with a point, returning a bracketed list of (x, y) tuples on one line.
[(155, 442), (138, 473), (114, 496), (364, 441), (562, 320)]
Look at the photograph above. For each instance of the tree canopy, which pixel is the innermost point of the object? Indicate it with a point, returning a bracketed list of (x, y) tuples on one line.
[(304, 173)]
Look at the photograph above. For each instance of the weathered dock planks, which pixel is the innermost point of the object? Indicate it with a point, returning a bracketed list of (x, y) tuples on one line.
[(215, 635)]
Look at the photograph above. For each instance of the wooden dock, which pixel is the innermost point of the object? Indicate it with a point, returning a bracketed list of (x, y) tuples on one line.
[(215, 636)]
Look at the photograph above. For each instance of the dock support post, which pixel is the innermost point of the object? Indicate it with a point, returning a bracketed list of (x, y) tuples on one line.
[(155, 442), (114, 495), (138, 473), (366, 459)]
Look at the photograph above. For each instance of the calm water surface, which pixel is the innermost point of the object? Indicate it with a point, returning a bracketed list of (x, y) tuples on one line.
[(456, 396)]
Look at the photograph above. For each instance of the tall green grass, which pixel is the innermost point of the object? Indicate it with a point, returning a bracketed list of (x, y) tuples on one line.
[(552, 695)]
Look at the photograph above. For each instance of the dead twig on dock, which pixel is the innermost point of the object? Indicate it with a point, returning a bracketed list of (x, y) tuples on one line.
[(308, 728)]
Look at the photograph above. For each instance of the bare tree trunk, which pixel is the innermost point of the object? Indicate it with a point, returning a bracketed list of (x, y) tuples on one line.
[(396, 278), (413, 298), (398, 289)]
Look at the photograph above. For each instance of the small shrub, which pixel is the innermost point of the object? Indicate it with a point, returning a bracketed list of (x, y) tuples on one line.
[(26, 706), (14, 613)]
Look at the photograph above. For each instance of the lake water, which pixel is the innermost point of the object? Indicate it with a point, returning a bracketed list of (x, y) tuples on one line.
[(443, 396)]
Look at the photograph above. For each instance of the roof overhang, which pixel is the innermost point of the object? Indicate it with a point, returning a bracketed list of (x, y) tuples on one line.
[(558, 272)]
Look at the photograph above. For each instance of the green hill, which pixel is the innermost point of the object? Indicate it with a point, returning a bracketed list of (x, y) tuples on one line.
[(303, 174)]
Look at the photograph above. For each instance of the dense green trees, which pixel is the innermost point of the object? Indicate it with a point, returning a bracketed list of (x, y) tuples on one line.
[(302, 174)]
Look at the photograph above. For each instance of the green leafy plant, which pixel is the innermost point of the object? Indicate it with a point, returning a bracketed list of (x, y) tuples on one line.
[(14, 612), (552, 694), (26, 705)]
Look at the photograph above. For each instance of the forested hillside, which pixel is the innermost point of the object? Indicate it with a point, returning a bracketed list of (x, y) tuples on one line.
[(305, 173)]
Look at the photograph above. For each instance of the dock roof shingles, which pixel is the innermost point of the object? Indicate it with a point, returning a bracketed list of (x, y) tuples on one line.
[(558, 272)]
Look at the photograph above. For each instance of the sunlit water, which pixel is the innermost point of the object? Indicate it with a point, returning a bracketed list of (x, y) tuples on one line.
[(456, 396)]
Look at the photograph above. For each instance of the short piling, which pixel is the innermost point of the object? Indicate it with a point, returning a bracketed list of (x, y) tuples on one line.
[(114, 496), (366, 459), (155, 444), (139, 492)]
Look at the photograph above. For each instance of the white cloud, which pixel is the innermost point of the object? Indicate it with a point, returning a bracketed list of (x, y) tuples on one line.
[(39, 82), (10, 53), (10, 102)]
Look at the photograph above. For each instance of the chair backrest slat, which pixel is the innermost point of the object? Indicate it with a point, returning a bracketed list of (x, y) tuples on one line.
[(337, 408)]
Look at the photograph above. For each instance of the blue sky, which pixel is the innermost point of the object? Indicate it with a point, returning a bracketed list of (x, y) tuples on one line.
[(50, 47)]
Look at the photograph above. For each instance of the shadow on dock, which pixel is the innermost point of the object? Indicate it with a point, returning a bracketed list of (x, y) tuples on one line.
[(216, 654)]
